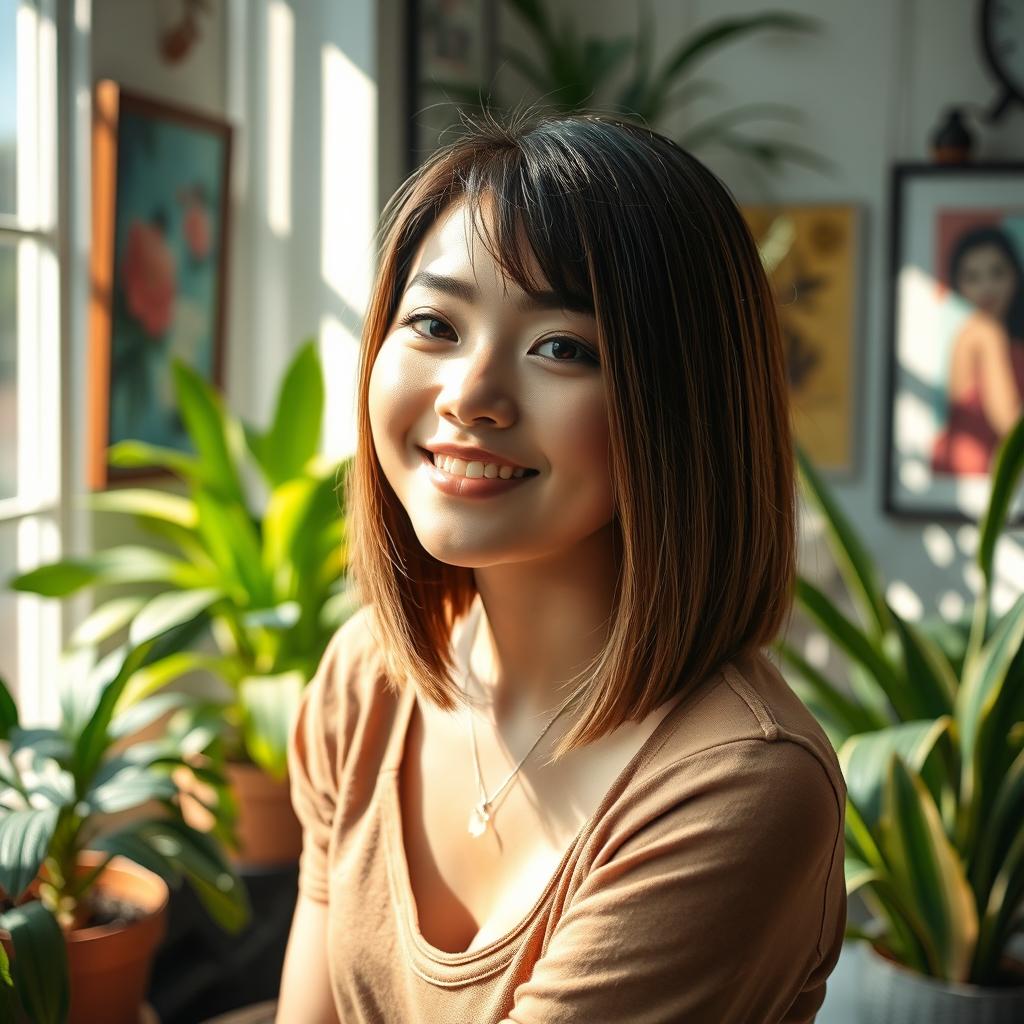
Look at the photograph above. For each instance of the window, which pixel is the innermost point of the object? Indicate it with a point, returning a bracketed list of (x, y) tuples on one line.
[(31, 507)]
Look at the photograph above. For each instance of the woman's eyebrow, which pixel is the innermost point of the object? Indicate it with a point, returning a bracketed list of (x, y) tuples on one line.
[(468, 293)]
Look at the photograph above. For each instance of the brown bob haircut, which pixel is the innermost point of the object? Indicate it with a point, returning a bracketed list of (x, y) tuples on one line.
[(701, 456)]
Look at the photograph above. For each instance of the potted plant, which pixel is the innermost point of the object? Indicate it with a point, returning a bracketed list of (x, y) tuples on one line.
[(932, 748), (267, 585), (91, 836), (571, 72)]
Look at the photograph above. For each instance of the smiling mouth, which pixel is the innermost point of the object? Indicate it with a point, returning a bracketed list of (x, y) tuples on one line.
[(503, 471)]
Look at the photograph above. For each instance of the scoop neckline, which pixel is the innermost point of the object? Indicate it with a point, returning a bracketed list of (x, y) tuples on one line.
[(440, 965)]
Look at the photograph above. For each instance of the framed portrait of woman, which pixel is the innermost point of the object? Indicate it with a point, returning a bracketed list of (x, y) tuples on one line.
[(956, 337)]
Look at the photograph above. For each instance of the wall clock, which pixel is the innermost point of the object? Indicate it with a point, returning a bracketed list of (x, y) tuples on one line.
[(1002, 39)]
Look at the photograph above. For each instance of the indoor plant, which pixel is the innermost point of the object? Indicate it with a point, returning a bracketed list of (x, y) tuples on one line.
[(85, 828), (932, 749), (269, 584), (571, 72)]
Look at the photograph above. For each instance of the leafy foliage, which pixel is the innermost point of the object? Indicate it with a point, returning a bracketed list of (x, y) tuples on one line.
[(577, 72), (268, 586), (59, 787), (932, 752)]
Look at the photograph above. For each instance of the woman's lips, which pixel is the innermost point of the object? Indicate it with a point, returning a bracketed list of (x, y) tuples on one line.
[(464, 486)]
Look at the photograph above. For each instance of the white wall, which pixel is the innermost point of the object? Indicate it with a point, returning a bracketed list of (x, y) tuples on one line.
[(871, 86)]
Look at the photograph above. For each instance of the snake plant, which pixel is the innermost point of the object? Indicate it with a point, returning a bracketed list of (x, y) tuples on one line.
[(932, 747), (268, 585), (574, 73), (59, 787)]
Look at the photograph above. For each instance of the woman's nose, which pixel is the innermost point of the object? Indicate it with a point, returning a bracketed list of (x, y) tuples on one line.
[(477, 388)]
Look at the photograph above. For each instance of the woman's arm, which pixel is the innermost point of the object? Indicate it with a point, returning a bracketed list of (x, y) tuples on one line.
[(988, 346), (305, 984)]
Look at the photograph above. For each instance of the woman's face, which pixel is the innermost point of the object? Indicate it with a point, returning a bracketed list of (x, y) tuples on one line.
[(478, 366), (986, 280)]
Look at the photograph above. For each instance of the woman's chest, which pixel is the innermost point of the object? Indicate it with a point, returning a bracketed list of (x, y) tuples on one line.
[(469, 890)]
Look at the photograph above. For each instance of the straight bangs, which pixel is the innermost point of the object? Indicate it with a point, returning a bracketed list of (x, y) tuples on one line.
[(622, 221)]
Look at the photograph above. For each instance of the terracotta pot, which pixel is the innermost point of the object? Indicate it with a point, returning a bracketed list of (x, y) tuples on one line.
[(891, 993), (269, 833)]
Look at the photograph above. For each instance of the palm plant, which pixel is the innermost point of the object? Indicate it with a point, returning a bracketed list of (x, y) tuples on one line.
[(59, 787), (932, 748), (268, 585), (574, 73)]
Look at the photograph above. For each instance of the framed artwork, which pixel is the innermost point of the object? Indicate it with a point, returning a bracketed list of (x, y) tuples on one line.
[(956, 338), (451, 47), (160, 191), (810, 252)]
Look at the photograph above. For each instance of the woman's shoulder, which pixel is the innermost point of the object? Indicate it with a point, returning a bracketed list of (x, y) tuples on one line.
[(747, 714), (349, 685)]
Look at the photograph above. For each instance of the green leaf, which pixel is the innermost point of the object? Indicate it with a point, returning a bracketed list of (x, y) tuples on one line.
[(39, 969), (104, 621), (725, 30), (127, 564), (926, 867), (127, 842), (851, 716), (234, 545), (294, 437), (131, 786), (269, 706), (864, 759), (93, 740), (150, 504), (851, 556), (861, 648), (152, 677), (216, 435), (8, 711), (982, 697), (170, 609), (137, 454), (202, 862), (143, 713), (1009, 467), (8, 997), (931, 675), (24, 840)]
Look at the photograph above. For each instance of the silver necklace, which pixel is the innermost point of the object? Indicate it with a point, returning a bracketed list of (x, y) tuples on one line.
[(480, 816)]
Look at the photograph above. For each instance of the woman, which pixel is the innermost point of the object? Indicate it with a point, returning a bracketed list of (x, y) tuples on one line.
[(546, 773), (986, 371)]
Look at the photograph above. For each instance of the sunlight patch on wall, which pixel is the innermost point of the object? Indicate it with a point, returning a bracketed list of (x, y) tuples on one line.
[(280, 101), (349, 199)]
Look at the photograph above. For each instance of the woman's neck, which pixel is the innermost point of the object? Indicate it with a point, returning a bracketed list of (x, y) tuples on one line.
[(541, 623)]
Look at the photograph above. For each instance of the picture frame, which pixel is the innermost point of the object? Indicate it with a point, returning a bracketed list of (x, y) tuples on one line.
[(811, 253), (451, 48), (956, 336), (159, 265)]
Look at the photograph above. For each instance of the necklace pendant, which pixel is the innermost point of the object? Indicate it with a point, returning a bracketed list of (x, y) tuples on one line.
[(479, 820)]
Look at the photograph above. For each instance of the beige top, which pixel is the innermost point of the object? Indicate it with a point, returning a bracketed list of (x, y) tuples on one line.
[(707, 888)]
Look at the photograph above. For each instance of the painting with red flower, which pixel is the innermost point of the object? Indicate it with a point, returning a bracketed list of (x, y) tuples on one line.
[(159, 259)]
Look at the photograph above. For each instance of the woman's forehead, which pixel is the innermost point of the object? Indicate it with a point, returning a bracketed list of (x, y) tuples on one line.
[(456, 244)]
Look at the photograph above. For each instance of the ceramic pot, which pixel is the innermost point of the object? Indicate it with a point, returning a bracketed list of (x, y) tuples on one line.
[(891, 993)]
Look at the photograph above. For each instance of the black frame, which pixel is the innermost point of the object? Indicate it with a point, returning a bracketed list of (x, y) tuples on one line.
[(901, 175), (417, 147)]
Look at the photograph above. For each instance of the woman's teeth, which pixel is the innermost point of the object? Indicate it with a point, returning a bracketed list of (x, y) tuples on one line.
[(459, 467)]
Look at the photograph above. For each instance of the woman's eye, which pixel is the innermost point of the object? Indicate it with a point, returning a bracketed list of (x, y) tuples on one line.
[(565, 350), (412, 321)]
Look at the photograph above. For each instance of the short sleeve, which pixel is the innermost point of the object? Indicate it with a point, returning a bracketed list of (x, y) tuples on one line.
[(313, 766), (726, 906)]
